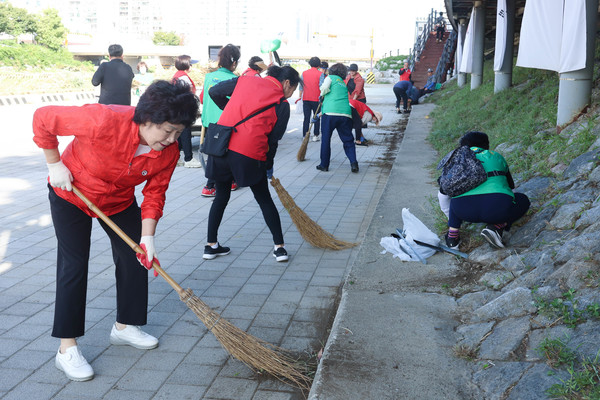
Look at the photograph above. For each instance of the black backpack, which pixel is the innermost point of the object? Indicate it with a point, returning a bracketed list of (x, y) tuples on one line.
[(461, 172), (351, 85)]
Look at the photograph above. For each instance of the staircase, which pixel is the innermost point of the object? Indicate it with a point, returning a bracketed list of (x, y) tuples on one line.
[(429, 58)]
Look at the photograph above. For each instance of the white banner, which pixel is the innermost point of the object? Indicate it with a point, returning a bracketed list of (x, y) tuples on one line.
[(501, 27), (553, 35), (466, 62)]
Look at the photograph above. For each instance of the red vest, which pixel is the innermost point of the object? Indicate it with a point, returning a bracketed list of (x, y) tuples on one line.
[(179, 74), (250, 95), (311, 91)]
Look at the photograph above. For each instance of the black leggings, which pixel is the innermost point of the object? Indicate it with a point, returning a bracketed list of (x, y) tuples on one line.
[(491, 208), (264, 200), (185, 143), (357, 124)]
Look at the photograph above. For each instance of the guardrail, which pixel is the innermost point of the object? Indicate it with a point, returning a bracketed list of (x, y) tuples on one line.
[(449, 48), (421, 40)]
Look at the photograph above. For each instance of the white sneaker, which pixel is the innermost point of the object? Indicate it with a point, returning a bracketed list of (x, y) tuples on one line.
[(193, 163), (133, 336), (74, 364), (316, 138)]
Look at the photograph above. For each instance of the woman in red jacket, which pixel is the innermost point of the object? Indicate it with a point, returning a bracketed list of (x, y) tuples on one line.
[(115, 148), (252, 147)]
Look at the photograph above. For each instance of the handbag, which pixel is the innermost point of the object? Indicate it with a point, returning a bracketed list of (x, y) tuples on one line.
[(461, 172), (216, 139)]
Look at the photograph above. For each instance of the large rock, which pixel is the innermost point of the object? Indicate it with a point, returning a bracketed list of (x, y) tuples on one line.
[(506, 337), (586, 339), (588, 217), (525, 235), (534, 383), (583, 164), (535, 188), (580, 192), (471, 301), (515, 303), (471, 335), (579, 248), (566, 216), (497, 379), (537, 336), (542, 268)]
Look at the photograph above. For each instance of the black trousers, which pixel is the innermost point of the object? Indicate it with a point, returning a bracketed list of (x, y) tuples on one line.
[(491, 208), (401, 95), (73, 230), (310, 108), (185, 143)]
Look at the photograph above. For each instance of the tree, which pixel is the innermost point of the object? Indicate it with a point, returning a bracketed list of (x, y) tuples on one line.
[(166, 39), (15, 21), (50, 31)]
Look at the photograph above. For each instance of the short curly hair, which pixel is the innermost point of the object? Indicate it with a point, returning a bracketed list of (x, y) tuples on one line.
[(164, 101), (475, 139), (338, 69)]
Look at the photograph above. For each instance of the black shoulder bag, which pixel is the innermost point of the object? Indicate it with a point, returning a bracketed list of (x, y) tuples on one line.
[(216, 140)]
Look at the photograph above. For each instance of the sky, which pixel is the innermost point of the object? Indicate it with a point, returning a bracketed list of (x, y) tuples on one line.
[(391, 21)]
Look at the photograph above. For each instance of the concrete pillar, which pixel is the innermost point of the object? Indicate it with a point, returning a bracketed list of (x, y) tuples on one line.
[(575, 88), (503, 77), (478, 39), (462, 31)]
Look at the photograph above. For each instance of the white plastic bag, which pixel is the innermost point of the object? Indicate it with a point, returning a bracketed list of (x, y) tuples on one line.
[(405, 248), (299, 107)]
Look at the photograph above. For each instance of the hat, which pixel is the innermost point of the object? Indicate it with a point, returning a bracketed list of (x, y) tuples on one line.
[(261, 65), (405, 61), (353, 67), (429, 70)]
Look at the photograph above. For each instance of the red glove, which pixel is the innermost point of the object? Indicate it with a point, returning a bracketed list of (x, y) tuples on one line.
[(149, 255)]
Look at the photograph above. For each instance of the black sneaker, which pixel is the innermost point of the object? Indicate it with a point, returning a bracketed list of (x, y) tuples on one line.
[(321, 168), (452, 242), (494, 236), (354, 167), (210, 253), (280, 254)]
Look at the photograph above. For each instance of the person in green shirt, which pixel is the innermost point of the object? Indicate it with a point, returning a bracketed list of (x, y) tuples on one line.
[(493, 202), (229, 56)]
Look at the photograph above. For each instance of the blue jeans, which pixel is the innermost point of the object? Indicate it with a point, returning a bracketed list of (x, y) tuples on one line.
[(343, 125)]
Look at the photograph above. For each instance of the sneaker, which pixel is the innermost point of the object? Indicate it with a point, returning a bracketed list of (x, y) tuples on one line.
[(321, 168), (210, 253), (74, 364), (316, 138), (280, 254), (234, 186), (452, 242), (193, 163), (493, 235), (354, 167), (208, 192), (181, 160), (133, 336)]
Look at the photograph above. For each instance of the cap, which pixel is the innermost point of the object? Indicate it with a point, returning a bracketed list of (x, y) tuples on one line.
[(429, 70), (406, 60), (261, 65), (353, 67), (194, 61)]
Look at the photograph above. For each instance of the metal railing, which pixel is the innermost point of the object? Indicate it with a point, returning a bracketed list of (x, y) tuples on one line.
[(449, 48), (420, 40)]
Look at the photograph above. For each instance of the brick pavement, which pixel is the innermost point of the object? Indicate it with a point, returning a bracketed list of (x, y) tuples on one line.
[(285, 304)]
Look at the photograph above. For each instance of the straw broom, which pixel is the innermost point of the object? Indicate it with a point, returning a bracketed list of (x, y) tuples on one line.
[(309, 229), (255, 353), (302, 150)]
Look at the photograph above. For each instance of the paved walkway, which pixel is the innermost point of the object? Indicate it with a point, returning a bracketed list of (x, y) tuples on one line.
[(286, 304)]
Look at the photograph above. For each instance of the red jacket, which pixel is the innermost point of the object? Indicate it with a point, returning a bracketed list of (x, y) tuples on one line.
[(360, 107), (100, 157), (311, 78), (250, 95), (179, 74), (404, 74), (359, 90), (250, 72)]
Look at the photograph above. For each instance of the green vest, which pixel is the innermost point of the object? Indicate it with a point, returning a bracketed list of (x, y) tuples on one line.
[(491, 161), (210, 112), (336, 101)]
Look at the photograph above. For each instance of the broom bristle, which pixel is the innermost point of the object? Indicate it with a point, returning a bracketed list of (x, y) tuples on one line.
[(309, 229), (255, 353), (302, 150)]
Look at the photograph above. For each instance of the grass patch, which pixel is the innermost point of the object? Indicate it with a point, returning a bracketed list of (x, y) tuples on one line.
[(566, 308), (556, 352), (584, 382)]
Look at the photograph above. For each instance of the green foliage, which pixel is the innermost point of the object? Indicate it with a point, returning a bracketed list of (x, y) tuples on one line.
[(566, 308), (393, 62), (15, 21), (50, 31), (24, 56), (556, 352), (166, 39), (584, 382)]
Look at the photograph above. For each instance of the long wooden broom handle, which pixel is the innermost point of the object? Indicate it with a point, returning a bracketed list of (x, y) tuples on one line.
[(126, 238)]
